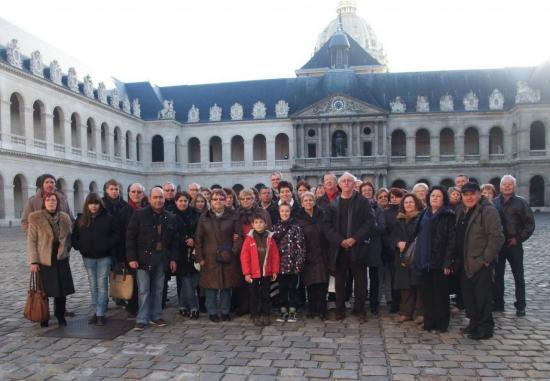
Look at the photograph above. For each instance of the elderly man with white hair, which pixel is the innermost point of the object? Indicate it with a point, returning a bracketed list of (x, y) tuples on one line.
[(349, 220), (519, 224)]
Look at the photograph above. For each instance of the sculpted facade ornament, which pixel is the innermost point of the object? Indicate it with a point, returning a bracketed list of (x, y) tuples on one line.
[(115, 99), (72, 80), (446, 103), (471, 102), (37, 67), (167, 111), (526, 94), (281, 109), (422, 104), (126, 104), (193, 115), (398, 105), (13, 54), (215, 113), (55, 72), (136, 108), (496, 100), (237, 112), (339, 105), (88, 86), (258, 111), (102, 93)]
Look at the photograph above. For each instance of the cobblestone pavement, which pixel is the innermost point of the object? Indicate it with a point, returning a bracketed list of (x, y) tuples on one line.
[(185, 350)]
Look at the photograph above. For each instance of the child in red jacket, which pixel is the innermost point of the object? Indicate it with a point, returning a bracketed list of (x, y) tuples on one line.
[(260, 264)]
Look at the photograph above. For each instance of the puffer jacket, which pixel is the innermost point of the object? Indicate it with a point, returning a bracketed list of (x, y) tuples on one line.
[(483, 238), (292, 246), (517, 217), (250, 260)]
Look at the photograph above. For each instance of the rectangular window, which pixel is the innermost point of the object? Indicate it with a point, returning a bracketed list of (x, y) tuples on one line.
[(367, 148), (312, 150)]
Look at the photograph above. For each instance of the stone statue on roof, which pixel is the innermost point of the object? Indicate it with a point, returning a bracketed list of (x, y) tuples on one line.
[(167, 111)]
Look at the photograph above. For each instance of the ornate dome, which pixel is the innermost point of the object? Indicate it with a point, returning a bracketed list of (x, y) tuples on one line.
[(356, 27)]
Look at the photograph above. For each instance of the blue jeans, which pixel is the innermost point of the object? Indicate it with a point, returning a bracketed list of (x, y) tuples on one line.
[(98, 277), (218, 301), (188, 292), (150, 286)]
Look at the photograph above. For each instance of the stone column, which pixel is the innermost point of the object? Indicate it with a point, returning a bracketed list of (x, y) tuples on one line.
[(9, 205), (299, 144), (434, 148), (523, 139), (270, 148), (69, 195), (169, 152), (29, 127), (111, 143), (328, 141), (83, 138), (483, 147), (459, 146), (507, 142), (5, 123), (205, 154), (411, 148), (226, 152), (68, 135), (97, 141), (48, 118)]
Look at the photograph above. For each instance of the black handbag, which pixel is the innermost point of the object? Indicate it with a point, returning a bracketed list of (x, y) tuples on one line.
[(407, 257)]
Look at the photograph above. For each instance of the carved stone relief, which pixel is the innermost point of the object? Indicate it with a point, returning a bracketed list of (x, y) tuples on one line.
[(236, 112), (398, 105), (136, 108), (258, 111), (37, 67), (55, 72), (102, 92), (193, 115), (281, 109), (167, 111), (215, 113), (13, 54), (88, 86), (526, 94), (115, 99), (422, 104), (446, 103), (471, 102), (496, 100), (126, 104), (72, 80)]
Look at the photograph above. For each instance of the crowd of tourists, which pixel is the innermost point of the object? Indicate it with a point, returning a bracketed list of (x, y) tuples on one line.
[(341, 243)]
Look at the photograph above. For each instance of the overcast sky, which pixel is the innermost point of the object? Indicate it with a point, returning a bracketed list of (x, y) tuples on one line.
[(172, 42)]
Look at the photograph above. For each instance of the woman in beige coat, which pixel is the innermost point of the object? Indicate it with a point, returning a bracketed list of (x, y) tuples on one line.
[(48, 245)]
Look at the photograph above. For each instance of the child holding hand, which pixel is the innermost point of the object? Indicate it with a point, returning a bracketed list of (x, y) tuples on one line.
[(260, 265)]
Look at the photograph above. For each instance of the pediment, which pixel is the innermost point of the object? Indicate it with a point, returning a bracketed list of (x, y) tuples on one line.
[(339, 105)]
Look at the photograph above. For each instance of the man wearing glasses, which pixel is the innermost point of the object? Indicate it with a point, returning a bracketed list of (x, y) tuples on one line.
[(169, 190)]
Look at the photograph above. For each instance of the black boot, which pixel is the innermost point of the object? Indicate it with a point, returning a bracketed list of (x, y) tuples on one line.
[(59, 310)]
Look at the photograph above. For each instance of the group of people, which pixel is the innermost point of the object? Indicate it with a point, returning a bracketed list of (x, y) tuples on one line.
[(412, 249)]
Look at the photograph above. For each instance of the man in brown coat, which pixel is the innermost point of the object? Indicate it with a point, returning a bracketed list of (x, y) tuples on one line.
[(218, 231)]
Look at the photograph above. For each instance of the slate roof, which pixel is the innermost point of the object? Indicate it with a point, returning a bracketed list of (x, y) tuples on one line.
[(357, 55)]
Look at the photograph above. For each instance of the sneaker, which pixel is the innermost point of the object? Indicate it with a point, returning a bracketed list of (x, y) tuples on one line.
[(158, 322), (283, 316), (292, 317), (139, 327), (101, 321), (194, 315)]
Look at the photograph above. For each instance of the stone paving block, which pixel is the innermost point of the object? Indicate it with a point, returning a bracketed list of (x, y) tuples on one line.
[(345, 375), (317, 373)]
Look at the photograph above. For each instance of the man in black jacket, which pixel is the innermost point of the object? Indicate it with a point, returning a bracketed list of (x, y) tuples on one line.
[(518, 224), (151, 243), (350, 220)]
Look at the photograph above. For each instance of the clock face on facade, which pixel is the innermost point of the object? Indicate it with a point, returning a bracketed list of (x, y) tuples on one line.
[(338, 104)]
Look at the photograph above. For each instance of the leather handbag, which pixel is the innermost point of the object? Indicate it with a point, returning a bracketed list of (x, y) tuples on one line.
[(37, 308), (121, 285), (407, 256)]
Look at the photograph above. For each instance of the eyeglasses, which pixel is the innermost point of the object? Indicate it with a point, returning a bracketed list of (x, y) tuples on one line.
[(218, 199)]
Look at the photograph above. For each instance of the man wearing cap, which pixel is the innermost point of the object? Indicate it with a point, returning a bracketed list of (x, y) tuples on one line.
[(519, 224), (479, 238)]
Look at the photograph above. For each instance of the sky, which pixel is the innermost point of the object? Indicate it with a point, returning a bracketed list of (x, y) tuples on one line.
[(176, 42)]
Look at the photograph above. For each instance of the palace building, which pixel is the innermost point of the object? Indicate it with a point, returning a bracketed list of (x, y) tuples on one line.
[(344, 111)]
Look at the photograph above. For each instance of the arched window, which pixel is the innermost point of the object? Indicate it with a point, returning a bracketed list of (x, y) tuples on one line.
[(422, 142), (537, 136), (447, 142), (128, 145), (339, 144), (138, 147), (90, 134), (75, 130), (259, 148), (471, 141), (536, 191), (157, 148), (194, 150), (116, 138), (447, 183), (19, 186), (93, 187), (215, 149), (399, 184), (104, 138), (17, 115), (238, 188), (398, 143), (281, 147), (496, 141), (38, 121), (58, 129), (237, 148), (61, 185)]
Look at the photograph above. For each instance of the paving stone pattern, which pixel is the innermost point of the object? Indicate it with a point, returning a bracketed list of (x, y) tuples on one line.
[(380, 349)]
